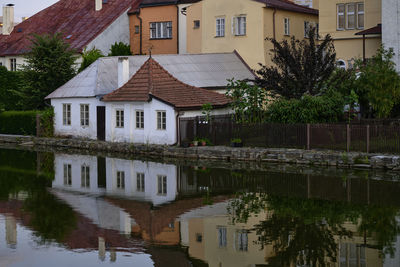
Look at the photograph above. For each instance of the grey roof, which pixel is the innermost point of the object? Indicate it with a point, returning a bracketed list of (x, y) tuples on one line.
[(200, 70)]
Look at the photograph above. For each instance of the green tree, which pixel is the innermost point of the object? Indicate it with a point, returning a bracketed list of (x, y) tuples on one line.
[(300, 67), (10, 84), (120, 49), (378, 84), (49, 64), (88, 57)]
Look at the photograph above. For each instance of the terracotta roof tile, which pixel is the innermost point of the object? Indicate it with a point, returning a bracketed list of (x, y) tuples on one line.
[(75, 18), (152, 80), (288, 5)]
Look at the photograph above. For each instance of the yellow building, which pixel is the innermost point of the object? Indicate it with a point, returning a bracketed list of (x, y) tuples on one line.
[(242, 25), (342, 19)]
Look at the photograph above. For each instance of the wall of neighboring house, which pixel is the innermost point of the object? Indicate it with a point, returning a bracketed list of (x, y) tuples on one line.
[(75, 129), (182, 28), (150, 134), (194, 35), (391, 28), (296, 27), (154, 14), (118, 31), (349, 46)]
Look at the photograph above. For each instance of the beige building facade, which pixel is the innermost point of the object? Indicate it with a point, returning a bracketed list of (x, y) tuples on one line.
[(228, 25)]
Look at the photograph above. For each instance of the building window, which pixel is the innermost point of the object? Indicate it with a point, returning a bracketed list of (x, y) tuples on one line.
[(199, 238), (286, 26), (162, 184), (196, 24), (66, 114), (139, 119), (350, 16), (307, 27), (120, 180), (1, 64), (341, 64), (220, 27), (239, 24), (119, 118), (137, 29), (84, 115), (340, 17), (140, 182), (85, 176), (67, 175), (13, 64), (360, 15), (161, 30), (222, 236), (161, 120), (242, 240)]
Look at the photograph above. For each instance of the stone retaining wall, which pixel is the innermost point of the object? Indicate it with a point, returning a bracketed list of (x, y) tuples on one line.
[(272, 155)]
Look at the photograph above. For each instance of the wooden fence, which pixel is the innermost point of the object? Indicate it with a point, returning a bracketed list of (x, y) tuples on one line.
[(362, 137)]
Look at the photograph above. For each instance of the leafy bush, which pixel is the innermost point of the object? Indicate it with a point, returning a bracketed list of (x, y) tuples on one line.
[(11, 83), (88, 57), (120, 49), (309, 109), (18, 122), (47, 123)]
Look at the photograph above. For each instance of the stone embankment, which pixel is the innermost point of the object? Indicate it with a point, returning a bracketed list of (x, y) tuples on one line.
[(272, 155)]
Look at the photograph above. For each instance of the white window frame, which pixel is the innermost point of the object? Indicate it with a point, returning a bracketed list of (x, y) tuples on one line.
[(239, 24), (119, 118), (242, 240), (161, 120), (66, 114), (161, 30), (161, 185), (67, 174), (140, 182), (360, 13), (139, 116), (351, 14), (220, 27), (85, 176), (307, 26), (286, 26), (342, 14), (120, 179), (84, 115), (222, 236), (13, 64)]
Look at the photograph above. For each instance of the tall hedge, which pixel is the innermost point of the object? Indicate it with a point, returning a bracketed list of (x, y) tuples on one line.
[(18, 122)]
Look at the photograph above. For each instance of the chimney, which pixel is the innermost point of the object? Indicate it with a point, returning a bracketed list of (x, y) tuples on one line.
[(8, 19), (99, 4), (123, 71)]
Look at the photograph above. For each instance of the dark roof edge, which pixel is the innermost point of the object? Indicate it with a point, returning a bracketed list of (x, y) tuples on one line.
[(306, 10), (166, 3), (244, 62)]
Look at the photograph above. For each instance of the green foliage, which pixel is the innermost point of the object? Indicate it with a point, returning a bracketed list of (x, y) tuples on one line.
[(47, 123), (247, 101), (49, 64), (120, 49), (10, 84), (300, 67), (18, 122), (88, 57), (378, 85), (308, 109), (236, 140), (206, 111)]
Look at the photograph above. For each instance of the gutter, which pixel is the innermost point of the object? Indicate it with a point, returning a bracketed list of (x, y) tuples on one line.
[(177, 28), (273, 22)]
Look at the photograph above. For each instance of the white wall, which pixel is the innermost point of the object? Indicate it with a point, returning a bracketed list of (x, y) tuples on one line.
[(118, 31), (391, 28), (148, 135), (75, 129), (182, 29), (5, 61)]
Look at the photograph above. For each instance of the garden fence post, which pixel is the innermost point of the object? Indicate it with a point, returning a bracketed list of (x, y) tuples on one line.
[(308, 136), (368, 136), (195, 125), (348, 137)]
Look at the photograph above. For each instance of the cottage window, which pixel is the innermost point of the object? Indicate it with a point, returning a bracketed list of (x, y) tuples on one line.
[(239, 25), (119, 118), (67, 174), (120, 180), (161, 120), (340, 17), (84, 115), (162, 184), (242, 240), (220, 27), (196, 24), (161, 30), (360, 15), (139, 119), (13, 64), (286, 23), (307, 27), (66, 114), (350, 16), (222, 236), (140, 182), (137, 29), (85, 176)]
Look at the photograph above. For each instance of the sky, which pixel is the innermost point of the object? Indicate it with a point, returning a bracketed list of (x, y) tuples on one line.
[(26, 8)]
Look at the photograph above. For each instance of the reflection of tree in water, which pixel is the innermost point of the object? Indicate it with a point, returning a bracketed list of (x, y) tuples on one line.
[(303, 231)]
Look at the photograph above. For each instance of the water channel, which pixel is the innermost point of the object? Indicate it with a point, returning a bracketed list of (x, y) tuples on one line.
[(64, 209)]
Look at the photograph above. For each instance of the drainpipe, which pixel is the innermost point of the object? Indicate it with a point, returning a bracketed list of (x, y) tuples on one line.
[(178, 141), (177, 29), (273, 22), (140, 32)]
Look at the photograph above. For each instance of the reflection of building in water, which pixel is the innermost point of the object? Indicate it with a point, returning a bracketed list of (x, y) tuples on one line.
[(149, 181), (11, 231)]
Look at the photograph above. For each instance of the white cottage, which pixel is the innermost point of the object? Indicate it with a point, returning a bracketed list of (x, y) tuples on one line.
[(80, 112)]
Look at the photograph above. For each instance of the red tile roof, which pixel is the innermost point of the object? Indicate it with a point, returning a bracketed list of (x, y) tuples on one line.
[(75, 18), (289, 6), (152, 80)]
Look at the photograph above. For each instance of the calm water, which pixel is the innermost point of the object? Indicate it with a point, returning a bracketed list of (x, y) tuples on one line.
[(59, 209)]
